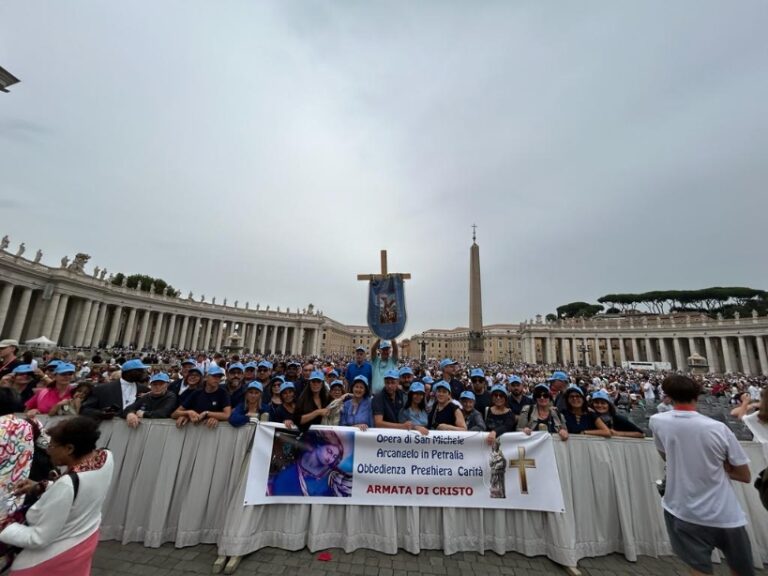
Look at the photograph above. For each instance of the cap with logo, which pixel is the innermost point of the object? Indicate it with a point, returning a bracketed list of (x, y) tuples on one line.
[(467, 395), (447, 362), (160, 377), (134, 364)]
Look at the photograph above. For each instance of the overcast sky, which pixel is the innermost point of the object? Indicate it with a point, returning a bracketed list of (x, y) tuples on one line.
[(266, 151)]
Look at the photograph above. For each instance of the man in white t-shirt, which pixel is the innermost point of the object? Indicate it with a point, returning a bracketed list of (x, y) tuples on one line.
[(754, 392), (700, 507), (648, 393)]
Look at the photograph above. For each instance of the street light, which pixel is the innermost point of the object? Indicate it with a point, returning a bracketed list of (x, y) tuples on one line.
[(423, 345), (583, 349), (510, 347)]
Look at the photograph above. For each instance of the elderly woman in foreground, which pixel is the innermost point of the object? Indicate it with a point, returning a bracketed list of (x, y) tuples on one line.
[(62, 528)]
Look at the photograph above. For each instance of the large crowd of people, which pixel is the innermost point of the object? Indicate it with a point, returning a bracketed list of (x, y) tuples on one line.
[(373, 389)]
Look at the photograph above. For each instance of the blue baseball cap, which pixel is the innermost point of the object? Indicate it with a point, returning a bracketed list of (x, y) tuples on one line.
[(336, 383), (427, 380), (214, 370), (52, 364), (360, 349), (265, 364), (447, 362), (441, 384), (65, 368), (361, 378), (23, 369), (287, 386), (385, 344), (498, 389), (189, 361), (573, 389), (317, 375), (160, 377), (277, 377), (333, 373), (235, 366), (514, 378), (406, 370), (134, 364), (197, 369), (540, 387), (394, 374), (476, 373), (467, 395), (601, 395), (293, 363), (559, 375), (416, 388), (250, 366), (255, 385)]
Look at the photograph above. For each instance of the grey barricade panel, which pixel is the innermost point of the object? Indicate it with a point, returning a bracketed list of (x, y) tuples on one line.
[(187, 486)]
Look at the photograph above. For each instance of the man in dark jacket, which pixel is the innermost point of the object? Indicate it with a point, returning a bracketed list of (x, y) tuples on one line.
[(159, 403), (109, 400)]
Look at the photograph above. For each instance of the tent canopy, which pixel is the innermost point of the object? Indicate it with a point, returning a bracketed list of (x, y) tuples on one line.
[(41, 342)]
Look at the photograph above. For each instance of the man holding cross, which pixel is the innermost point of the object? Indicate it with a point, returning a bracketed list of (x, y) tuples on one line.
[(383, 359)]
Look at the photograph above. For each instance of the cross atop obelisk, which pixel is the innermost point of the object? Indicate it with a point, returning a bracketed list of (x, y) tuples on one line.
[(384, 271)]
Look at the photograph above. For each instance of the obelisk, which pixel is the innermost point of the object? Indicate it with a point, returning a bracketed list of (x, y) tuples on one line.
[(475, 303)]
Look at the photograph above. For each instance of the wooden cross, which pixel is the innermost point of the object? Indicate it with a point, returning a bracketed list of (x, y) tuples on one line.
[(384, 271), (521, 464)]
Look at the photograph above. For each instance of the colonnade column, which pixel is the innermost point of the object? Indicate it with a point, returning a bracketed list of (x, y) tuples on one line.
[(263, 338), (114, 326), (284, 340), (219, 335), (99, 329), (761, 354), (664, 351), (585, 344), (143, 330), (207, 334), (635, 350), (679, 360), (726, 354), (5, 302), (273, 340), (692, 346), (252, 338), (21, 314), (598, 360), (195, 334), (50, 315), (183, 334), (649, 353), (170, 332), (95, 309), (533, 350), (609, 351), (574, 352), (745, 366), (300, 342), (712, 359), (130, 326), (158, 328)]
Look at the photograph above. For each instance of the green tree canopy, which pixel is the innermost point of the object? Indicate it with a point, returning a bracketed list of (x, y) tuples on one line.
[(145, 283)]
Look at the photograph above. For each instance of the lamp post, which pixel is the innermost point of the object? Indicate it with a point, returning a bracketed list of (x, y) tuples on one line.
[(510, 347), (583, 349), (423, 345)]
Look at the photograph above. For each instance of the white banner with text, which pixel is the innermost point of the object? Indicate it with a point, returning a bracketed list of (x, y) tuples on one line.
[(338, 465)]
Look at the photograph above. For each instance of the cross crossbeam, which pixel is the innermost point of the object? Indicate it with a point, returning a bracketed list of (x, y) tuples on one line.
[(384, 271)]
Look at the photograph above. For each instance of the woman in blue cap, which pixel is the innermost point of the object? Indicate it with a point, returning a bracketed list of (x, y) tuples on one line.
[(578, 419), (313, 402), (249, 410), (415, 409), (445, 414), (356, 410), (543, 416), (499, 418), (285, 412), (617, 424)]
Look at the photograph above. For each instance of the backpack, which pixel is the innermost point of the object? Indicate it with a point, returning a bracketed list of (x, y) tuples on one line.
[(8, 553), (761, 484)]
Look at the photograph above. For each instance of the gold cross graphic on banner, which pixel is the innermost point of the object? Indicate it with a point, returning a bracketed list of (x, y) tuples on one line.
[(384, 271), (521, 464)]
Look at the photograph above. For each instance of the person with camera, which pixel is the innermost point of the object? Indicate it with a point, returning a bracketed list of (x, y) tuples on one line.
[(110, 399), (701, 510)]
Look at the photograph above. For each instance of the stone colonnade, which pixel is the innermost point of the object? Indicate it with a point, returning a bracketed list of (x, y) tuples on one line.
[(76, 310)]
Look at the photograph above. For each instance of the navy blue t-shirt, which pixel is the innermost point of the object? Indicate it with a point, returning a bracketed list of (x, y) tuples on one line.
[(202, 401)]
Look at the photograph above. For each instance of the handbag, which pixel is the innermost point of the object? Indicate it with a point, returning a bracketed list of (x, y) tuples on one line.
[(8, 552)]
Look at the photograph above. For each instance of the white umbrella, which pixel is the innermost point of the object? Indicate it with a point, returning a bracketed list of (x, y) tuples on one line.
[(41, 342)]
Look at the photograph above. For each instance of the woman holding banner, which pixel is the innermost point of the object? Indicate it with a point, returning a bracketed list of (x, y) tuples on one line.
[(500, 418), (445, 415)]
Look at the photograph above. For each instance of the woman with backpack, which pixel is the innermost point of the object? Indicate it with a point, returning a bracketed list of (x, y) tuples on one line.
[(543, 416), (60, 531)]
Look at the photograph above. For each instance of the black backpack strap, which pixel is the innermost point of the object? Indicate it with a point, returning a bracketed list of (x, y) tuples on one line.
[(75, 484)]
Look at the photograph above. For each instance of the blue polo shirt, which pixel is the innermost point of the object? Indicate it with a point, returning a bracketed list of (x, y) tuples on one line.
[(354, 370)]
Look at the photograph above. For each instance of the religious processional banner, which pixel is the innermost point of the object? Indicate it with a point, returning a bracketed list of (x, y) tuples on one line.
[(386, 307), (342, 465)]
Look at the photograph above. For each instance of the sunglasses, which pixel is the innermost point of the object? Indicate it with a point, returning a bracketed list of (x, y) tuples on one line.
[(537, 396)]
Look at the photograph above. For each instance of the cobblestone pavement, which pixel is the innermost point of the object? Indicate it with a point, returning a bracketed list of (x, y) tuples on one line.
[(114, 559)]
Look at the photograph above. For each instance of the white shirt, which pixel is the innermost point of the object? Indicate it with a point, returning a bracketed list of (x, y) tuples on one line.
[(698, 489), (648, 391), (55, 522), (129, 392), (759, 430), (754, 392)]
